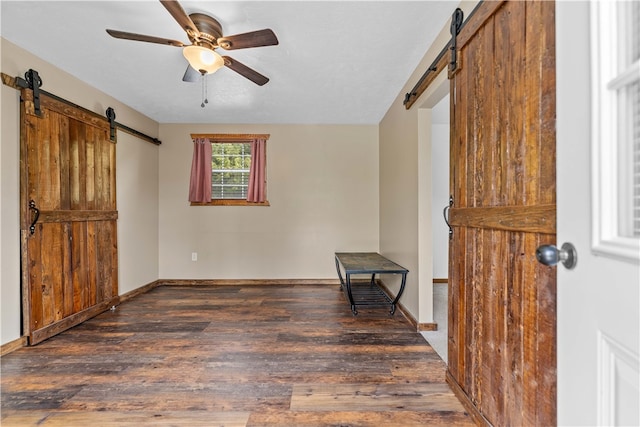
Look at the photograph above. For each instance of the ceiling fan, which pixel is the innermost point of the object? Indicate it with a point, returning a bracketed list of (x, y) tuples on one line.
[(205, 35)]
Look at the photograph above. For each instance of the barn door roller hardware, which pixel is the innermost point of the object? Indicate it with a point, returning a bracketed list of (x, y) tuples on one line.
[(457, 20), (32, 81), (456, 24), (111, 116), (113, 125), (441, 61)]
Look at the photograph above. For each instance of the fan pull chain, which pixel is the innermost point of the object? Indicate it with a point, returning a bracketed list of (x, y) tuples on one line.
[(204, 91)]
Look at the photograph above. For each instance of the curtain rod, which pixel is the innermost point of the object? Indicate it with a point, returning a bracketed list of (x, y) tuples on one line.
[(19, 83), (234, 137)]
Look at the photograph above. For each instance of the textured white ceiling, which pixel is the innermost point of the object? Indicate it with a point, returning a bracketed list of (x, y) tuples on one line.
[(338, 62)]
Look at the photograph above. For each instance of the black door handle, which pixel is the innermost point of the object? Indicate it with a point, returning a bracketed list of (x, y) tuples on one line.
[(32, 206), (445, 213)]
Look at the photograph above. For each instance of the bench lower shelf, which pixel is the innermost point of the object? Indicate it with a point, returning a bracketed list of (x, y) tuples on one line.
[(366, 293)]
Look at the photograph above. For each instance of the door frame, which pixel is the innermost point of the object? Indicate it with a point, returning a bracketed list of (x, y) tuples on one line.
[(436, 91)]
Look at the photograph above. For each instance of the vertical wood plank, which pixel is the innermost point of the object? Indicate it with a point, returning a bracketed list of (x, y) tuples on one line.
[(455, 311), (43, 195), (531, 196), (104, 254), (547, 78), (52, 166), (89, 168), (514, 333), (547, 350), (75, 180), (66, 305), (102, 240), (512, 55), (547, 389), (114, 258), (99, 180), (501, 272), (457, 348), (92, 257), (484, 58), (83, 165), (516, 91), (52, 253), (488, 323), (47, 274), (529, 314), (34, 245), (64, 157), (477, 280), (79, 267), (112, 172), (61, 239), (107, 171)]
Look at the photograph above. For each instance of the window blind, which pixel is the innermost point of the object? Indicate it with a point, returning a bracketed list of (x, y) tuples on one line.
[(636, 156), (634, 104), (624, 84), (231, 163)]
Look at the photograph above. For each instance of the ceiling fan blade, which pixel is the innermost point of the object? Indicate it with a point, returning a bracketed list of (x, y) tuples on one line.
[(258, 38), (191, 75), (142, 38), (181, 17), (245, 71)]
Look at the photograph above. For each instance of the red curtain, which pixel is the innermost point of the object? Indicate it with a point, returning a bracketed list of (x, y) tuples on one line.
[(257, 175), (200, 182)]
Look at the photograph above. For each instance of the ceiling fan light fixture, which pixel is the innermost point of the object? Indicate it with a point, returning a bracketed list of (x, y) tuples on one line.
[(202, 59)]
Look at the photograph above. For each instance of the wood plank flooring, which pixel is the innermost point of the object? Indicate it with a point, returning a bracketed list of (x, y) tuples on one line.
[(290, 355)]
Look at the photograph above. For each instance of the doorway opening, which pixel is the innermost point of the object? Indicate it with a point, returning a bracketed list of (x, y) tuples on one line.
[(440, 232)]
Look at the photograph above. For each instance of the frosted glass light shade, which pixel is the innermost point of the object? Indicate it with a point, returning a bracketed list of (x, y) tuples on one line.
[(203, 59)]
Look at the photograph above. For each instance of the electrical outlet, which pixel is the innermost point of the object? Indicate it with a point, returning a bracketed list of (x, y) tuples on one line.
[(194, 256)]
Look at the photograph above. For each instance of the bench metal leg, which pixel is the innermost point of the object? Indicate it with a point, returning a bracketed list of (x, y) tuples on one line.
[(395, 301), (347, 285), (350, 295)]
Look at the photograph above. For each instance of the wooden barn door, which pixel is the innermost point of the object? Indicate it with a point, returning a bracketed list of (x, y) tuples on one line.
[(68, 217), (502, 312)]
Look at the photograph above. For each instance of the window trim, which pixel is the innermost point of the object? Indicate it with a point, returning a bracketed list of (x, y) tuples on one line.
[(230, 202), (230, 138), (606, 238)]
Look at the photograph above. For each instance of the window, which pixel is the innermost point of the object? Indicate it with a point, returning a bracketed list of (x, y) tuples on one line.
[(230, 165), (615, 44), (231, 173)]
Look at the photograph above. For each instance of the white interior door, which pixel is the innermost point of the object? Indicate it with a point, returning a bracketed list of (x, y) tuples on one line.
[(598, 301)]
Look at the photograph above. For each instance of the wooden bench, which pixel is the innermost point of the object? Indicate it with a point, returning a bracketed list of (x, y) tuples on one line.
[(368, 293)]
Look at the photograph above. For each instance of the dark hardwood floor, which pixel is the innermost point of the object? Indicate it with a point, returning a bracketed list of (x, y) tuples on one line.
[(232, 356)]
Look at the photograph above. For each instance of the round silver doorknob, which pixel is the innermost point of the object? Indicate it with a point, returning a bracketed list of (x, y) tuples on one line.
[(551, 255)]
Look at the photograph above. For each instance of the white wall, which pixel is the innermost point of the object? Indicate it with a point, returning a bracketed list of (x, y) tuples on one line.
[(322, 185), (9, 216), (137, 197), (399, 199)]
